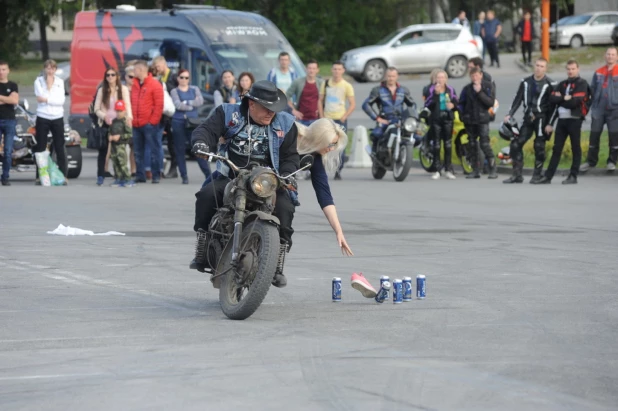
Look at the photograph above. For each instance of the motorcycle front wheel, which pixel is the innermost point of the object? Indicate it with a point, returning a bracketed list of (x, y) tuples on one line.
[(402, 166), (243, 289), (426, 156)]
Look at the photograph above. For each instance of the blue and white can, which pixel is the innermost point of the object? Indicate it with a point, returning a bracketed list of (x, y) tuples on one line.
[(336, 289), (397, 291), (420, 286), (385, 279), (382, 294), (407, 288)]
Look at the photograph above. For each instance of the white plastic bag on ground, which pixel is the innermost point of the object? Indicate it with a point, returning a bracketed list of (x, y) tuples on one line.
[(66, 231)]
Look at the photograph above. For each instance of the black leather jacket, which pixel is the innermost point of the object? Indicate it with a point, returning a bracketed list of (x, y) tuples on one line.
[(525, 96)]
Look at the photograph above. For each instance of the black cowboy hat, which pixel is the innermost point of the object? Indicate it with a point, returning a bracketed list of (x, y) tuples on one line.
[(266, 94)]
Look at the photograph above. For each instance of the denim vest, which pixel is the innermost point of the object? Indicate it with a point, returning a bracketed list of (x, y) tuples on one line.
[(389, 106), (278, 128)]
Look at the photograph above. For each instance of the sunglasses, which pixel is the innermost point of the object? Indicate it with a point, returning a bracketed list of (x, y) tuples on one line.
[(130, 76), (110, 75), (183, 78), (333, 145)]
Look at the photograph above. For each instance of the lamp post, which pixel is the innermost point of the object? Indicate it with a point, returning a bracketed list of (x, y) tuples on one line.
[(545, 29)]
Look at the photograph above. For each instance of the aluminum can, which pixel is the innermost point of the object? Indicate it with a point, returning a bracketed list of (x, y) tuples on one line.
[(420, 286), (336, 289), (382, 294), (383, 279), (407, 288), (397, 291)]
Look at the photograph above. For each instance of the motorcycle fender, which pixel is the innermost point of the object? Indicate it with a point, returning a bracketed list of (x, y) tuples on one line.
[(260, 215)]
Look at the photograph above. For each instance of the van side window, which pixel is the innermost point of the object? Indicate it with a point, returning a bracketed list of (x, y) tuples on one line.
[(204, 73)]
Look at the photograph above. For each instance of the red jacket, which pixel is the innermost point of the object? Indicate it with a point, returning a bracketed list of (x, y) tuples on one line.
[(146, 101)]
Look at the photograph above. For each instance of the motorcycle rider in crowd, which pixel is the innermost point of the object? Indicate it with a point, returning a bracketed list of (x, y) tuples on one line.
[(570, 110), (441, 100), (604, 110), (534, 93), (255, 131), (390, 98), (474, 103)]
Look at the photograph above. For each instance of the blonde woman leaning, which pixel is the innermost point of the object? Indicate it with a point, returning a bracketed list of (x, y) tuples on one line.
[(326, 140)]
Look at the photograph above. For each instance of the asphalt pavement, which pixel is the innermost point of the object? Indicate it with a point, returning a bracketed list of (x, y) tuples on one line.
[(520, 313)]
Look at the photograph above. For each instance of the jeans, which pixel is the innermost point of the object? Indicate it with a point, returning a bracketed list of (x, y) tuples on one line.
[(148, 152), (180, 144), (43, 127), (142, 136), (7, 129), (345, 126), (568, 127)]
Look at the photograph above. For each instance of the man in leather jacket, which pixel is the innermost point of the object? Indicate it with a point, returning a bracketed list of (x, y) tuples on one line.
[(534, 93), (571, 99), (255, 131), (390, 98)]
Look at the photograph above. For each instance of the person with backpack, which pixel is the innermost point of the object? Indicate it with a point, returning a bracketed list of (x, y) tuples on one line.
[(571, 97), (534, 93)]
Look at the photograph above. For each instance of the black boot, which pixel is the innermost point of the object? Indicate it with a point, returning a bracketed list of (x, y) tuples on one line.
[(474, 174), (199, 263), (542, 180), (279, 279), (538, 173), (514, 180), (571, 179), (493, 169), (173, 173)]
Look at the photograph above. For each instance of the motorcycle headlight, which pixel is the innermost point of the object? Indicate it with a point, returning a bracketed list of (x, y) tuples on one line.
[(410, 124), (264, 184)]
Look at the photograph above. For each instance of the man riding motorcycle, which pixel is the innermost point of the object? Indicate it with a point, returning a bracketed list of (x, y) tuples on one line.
[(256, 131), (390, 98)]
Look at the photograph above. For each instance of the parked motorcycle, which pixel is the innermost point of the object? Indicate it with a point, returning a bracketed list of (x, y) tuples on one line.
[(395, 148), (461, 148), (243, 238), (25, 140)]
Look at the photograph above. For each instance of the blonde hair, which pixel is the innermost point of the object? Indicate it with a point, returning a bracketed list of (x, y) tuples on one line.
[(440, 71), (50, 63), (433, 74), (159, 59), (318, 136)]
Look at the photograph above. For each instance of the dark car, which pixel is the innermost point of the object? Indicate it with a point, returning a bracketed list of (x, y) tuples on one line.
[(615, 35)]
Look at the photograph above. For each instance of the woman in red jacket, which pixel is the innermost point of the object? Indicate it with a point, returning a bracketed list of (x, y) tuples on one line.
[(525, 29)]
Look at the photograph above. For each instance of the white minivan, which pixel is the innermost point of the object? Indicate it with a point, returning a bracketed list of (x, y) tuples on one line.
[(415, 49)]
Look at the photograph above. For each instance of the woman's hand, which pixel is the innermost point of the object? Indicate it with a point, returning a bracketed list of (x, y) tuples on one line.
[(41, 99), (345, 248)]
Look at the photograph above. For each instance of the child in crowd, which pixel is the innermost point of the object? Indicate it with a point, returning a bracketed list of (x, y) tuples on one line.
[(120, 135)]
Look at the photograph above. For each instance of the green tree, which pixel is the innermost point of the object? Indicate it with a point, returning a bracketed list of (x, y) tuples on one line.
[(16, 21)]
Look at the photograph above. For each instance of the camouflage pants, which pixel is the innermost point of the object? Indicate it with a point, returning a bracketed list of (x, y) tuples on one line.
[(119, 159)]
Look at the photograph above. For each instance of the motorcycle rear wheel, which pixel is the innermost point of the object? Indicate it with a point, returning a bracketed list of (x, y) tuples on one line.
[(463, 154), (243, 289)]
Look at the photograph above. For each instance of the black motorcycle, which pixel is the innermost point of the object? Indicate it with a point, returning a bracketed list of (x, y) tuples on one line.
[(395, 148), (22, 158), (243, 238)]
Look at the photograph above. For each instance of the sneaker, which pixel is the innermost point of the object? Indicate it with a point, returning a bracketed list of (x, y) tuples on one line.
[(116, 183), (185, 180), (611, 166), (541, 180), (337, 175), (449, 175), (360, 283), (435, 176), (584, 167), (148, 175), (155, 181), (129, 183), (514, 180), (571, 179), (108, 174), (100, 180), (5, 182)]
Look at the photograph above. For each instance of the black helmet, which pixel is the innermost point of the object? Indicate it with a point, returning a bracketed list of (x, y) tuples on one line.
[(509, 129)]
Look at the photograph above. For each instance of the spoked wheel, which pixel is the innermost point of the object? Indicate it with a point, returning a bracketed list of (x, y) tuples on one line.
[(426, 156), (403, 164), (377, 171), (243, 289)]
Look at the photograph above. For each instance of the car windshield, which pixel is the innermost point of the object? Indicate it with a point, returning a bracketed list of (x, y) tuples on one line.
[(388, 38), (248, 46), (578, 20), (563, 21)]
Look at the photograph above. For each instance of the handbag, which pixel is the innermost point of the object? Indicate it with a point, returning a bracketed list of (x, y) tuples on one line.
[(168, 105)]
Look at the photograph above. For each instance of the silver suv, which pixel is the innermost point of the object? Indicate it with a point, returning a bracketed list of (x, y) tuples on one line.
[(415, 49)]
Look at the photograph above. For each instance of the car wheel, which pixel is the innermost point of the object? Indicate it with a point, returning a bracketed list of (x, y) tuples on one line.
[(374, 70), (359, 79), (576, 42), (457, 66)]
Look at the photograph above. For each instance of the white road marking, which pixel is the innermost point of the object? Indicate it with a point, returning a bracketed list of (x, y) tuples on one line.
[(51, 376)]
